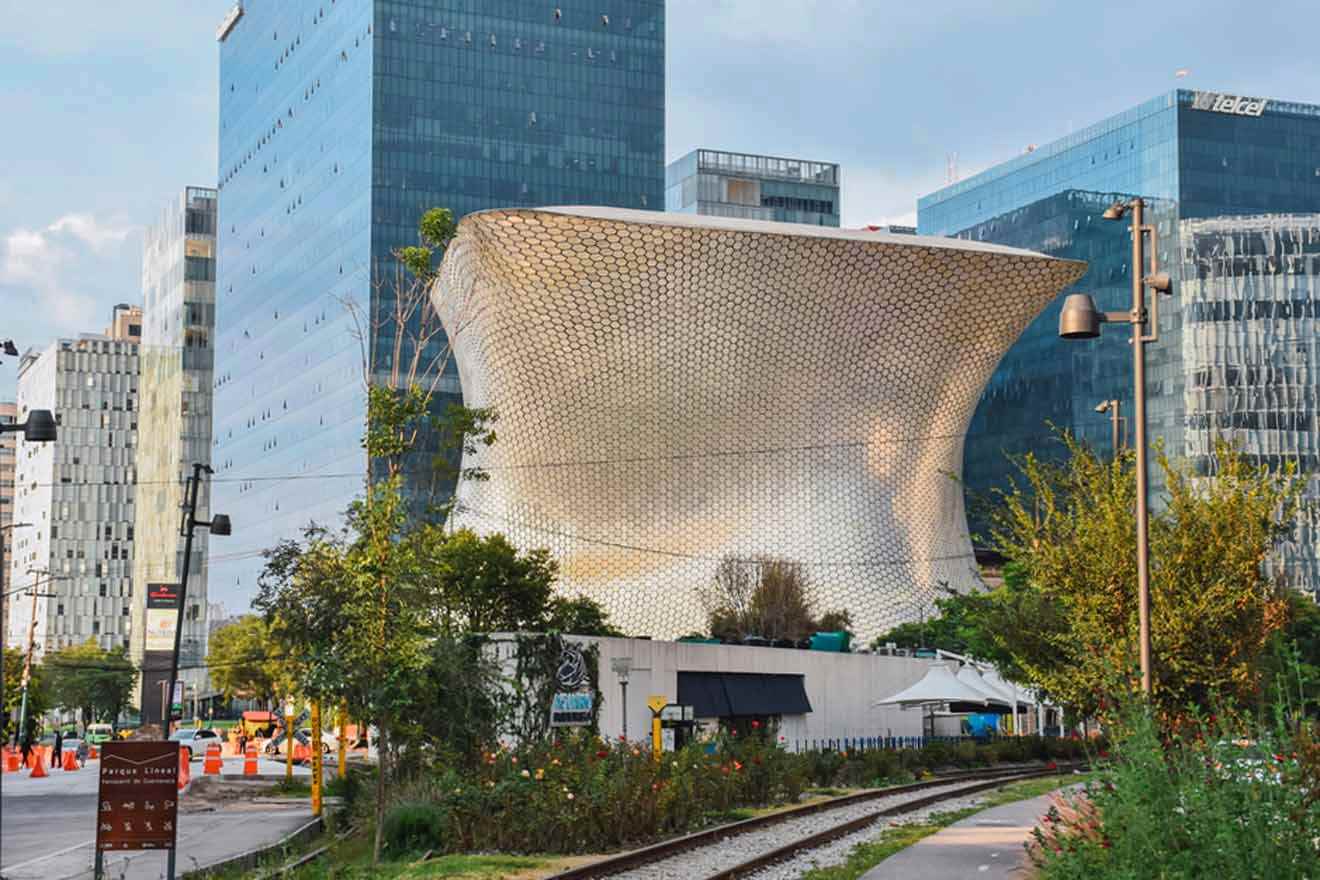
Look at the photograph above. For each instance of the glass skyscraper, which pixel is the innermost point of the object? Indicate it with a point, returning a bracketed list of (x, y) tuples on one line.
[(340, 124), (1206, 162), (719, 184), (176, 362)]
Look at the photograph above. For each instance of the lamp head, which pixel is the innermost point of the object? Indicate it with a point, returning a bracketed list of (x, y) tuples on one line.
[(1115, 211), (40, 426), (1102, 407), (1080, 319), (220, 525)]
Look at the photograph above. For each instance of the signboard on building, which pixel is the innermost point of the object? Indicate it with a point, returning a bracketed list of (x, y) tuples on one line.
[(162, 616), (137, 804), (571, 709), (1233, 105)]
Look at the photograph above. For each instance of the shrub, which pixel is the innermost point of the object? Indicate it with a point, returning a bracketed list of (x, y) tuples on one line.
[(415, 826), (1219, 799)]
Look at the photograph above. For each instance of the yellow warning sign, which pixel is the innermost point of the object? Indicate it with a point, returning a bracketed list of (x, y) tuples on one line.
[(657, 702)]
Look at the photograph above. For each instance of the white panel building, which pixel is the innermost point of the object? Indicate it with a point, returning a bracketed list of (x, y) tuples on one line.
[(78, 493)]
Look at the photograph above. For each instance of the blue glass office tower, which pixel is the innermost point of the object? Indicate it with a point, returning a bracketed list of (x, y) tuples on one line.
[(341, 121), (1212, 166)]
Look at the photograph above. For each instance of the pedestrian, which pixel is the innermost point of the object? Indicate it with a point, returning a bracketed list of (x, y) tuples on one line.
[(55, 754), (242, 742), (26, 748), (82, 753)]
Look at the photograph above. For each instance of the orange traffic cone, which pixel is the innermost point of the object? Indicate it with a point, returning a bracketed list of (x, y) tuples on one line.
[(185, 776), (250, 760), (213, 763), (93, 753), (70, 761), (300, 753), (39, 765)]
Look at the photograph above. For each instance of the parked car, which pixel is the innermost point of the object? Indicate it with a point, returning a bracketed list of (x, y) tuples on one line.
[(195, 740)]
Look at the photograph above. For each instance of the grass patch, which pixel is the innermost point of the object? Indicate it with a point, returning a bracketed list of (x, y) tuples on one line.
[(866, 856), (294, 789), (350, 859)]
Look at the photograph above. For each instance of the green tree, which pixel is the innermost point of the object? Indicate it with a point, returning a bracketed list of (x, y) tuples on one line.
[(96, 683), (246, 663), (964, 623), (38, 700), (765, 597), (484, 584), (579, 616), (1070, 621)]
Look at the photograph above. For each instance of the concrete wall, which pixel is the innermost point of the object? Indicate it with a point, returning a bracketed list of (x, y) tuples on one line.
[(840, 687)]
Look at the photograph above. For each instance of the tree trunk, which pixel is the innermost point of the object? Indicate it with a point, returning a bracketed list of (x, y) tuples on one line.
[(381, 768)]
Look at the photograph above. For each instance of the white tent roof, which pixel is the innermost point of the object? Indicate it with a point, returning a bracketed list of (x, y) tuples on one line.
[(971, 677), (996, 682), (939, 685)]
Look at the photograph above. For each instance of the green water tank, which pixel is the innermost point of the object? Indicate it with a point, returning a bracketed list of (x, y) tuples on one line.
[(838, 642)]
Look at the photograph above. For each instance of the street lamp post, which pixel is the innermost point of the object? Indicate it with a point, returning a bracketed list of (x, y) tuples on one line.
[(1080, 319), (32, 642), (219, 525), (622, 666), (1115, 409)]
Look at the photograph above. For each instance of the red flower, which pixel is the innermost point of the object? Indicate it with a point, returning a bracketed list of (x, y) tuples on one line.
[(602, 754), (755, 724)]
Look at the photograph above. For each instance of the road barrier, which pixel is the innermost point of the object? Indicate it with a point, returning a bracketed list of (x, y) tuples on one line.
[(13, 761), (250, 760), (185, 771), (214, 763)]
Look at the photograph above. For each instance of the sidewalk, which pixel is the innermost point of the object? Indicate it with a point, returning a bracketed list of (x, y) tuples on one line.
[(986, 846), (204, 839)]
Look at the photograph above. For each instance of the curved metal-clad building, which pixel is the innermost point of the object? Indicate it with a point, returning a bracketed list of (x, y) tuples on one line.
[(673, 390)]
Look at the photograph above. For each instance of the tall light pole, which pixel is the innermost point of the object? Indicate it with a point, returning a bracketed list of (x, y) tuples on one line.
[(4, 599), (622, 666), (32, 641), (1080, 319), (1115, 409), (219, 525)]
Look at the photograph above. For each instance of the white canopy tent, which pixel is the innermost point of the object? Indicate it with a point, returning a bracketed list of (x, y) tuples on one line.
[(938, 686), (971, 676)]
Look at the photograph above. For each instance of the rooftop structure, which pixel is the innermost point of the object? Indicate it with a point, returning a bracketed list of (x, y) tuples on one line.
[(715, 183)]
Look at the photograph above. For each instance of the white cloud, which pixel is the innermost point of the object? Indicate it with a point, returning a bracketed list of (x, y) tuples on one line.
[(91, 230), (46, 270)]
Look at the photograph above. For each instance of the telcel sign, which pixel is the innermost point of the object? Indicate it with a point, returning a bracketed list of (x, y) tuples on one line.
[(1233, 105)]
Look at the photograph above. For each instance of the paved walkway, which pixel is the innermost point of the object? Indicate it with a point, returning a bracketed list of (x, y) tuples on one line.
[(986, 846), (47, 826)]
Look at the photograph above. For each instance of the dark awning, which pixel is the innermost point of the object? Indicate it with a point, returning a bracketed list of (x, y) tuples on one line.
[(726, 694)]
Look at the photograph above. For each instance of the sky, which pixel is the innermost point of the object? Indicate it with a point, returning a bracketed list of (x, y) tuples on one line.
[(110, 108)]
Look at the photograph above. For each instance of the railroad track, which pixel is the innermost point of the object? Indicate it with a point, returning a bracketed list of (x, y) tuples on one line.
[(743, 849)]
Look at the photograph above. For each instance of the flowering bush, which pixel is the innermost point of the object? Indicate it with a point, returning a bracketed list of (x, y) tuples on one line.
[(1208, 801), (578, 793)]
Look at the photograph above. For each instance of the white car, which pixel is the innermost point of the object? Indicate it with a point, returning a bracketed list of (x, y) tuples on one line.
[(195, 740)]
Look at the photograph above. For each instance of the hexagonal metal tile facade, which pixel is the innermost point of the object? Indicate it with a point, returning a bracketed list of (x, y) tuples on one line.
[(673, 390)]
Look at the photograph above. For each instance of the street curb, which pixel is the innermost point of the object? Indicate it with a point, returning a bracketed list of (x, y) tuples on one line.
[(250, 858)]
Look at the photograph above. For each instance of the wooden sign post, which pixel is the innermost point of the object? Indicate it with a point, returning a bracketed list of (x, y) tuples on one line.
[(138, 801)]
